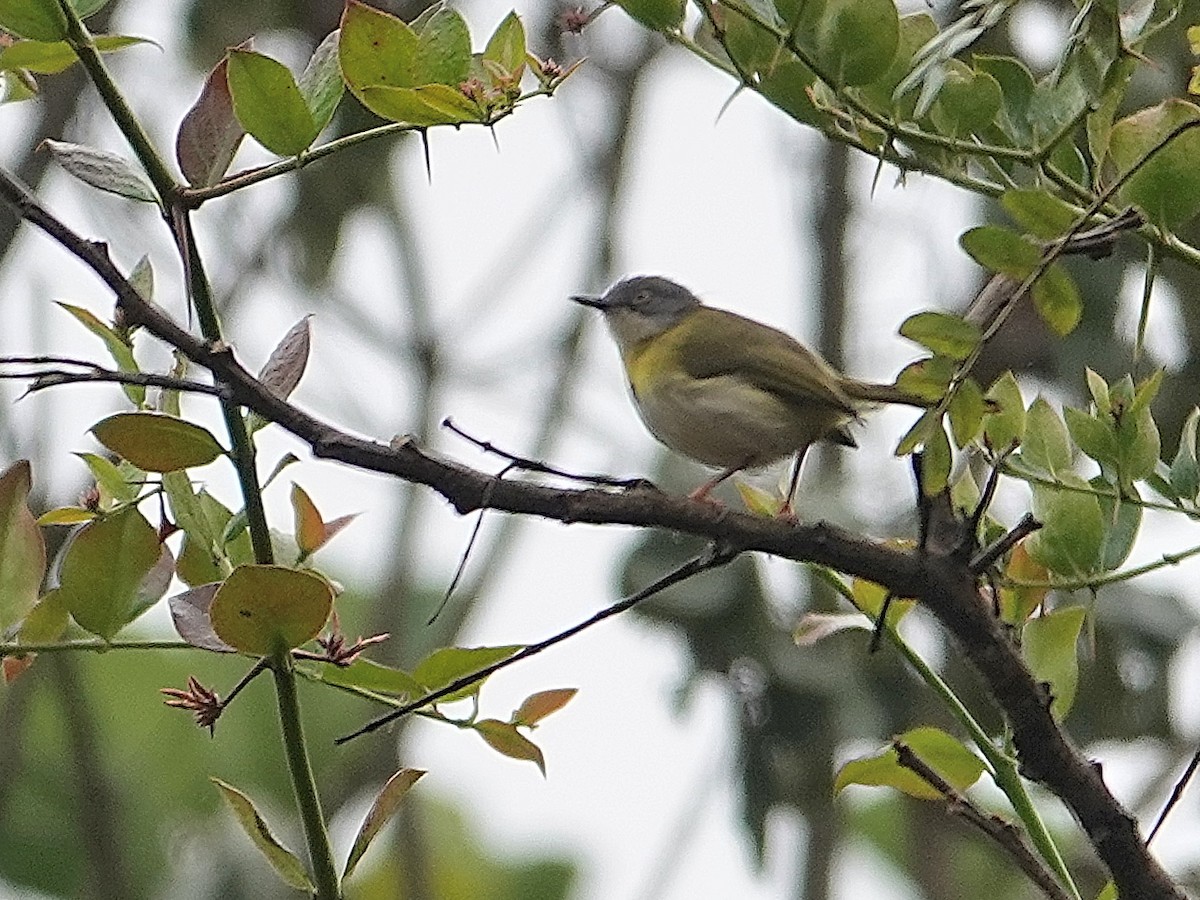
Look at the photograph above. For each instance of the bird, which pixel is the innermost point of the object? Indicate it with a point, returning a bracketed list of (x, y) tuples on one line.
[(725, 390)]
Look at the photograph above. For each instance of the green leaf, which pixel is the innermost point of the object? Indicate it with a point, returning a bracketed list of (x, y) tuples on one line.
[(103, 570), (1018, 88), (448, 664), (945, 334), (46, 622), (371, 676), (321, 83), (268, 103), (1006, 425), (381, 812), (1093, 435), (968, 101), (856, 39), (1098, 388), (935, 462), (966, 412), (1123, 517), (157, 442), (941, 752), (1185, 471), (309, 526), (506, 46), (285, 863), (1049, 645), (1167, 187), (22, 547), (118, 349), (39, 20), (431, 104), (659, 15), (1001, 250), (927, 378), (1073, 528), (1057, 300), (504, 738), (1039, 212), (1046, 445), (52, 57), (444, 49), (375, 49), (101, 169), (115, 486), (263, 610), (870, 597), (920, 432), (210, 133)]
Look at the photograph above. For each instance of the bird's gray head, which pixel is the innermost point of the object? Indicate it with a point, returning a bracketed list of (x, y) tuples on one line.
[(642, 307)]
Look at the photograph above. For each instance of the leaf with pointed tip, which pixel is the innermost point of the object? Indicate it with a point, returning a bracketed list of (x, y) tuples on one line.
[(46, 622), (506, 46), (268, 103), (210, 134), (22, 547), (943, 753), (369, 675), (101, 169), (52, 57), (157, 442), (120, 351), (381, 812), (190, 615), (537, 706), (448, 664), (321, 83), (504, 738), (285, 863), (427, 105), (443, 49), (1167, 186), (1004, 425), (309, 526)]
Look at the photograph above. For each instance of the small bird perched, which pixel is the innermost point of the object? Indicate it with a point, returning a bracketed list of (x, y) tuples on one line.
[(723, 389)]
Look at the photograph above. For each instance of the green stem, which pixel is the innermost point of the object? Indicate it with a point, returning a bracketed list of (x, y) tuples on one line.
[(193, 197), (15, 649), (320, 853), (1002, 767), (80, 40)]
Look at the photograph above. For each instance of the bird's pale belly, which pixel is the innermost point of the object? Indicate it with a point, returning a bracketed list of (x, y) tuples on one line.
[(725, 421)]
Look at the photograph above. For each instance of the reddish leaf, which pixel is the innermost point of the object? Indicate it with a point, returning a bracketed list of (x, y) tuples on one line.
[(190, 613), (537, 706), (210, 133), (22, 548)]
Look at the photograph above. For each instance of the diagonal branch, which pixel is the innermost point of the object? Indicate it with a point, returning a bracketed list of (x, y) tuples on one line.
[(938, 575)]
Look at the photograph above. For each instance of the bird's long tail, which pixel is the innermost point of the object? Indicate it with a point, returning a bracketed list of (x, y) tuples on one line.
[(871, 392)]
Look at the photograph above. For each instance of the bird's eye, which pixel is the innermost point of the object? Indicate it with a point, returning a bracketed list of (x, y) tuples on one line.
[(642, 297)]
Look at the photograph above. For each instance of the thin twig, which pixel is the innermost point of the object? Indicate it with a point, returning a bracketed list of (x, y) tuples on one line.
[(1176, 793), (716, 555), (1002, 832), (533, 465)]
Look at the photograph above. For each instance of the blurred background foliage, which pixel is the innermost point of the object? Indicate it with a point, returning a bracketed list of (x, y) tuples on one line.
[(104, 793)]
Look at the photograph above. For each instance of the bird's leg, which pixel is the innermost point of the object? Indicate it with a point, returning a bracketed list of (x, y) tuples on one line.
[(702, 492), (786, 511)]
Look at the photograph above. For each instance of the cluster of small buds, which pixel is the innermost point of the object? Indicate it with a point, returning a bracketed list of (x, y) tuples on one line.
[(335, 649), (90, 498), (203, 702)]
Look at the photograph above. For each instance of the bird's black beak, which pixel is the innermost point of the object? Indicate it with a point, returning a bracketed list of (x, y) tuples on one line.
[(588, 300)]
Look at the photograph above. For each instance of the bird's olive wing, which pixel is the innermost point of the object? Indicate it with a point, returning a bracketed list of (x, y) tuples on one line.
[(728, 344)]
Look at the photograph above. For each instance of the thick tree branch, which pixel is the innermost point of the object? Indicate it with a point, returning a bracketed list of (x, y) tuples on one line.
[(939, 575)]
